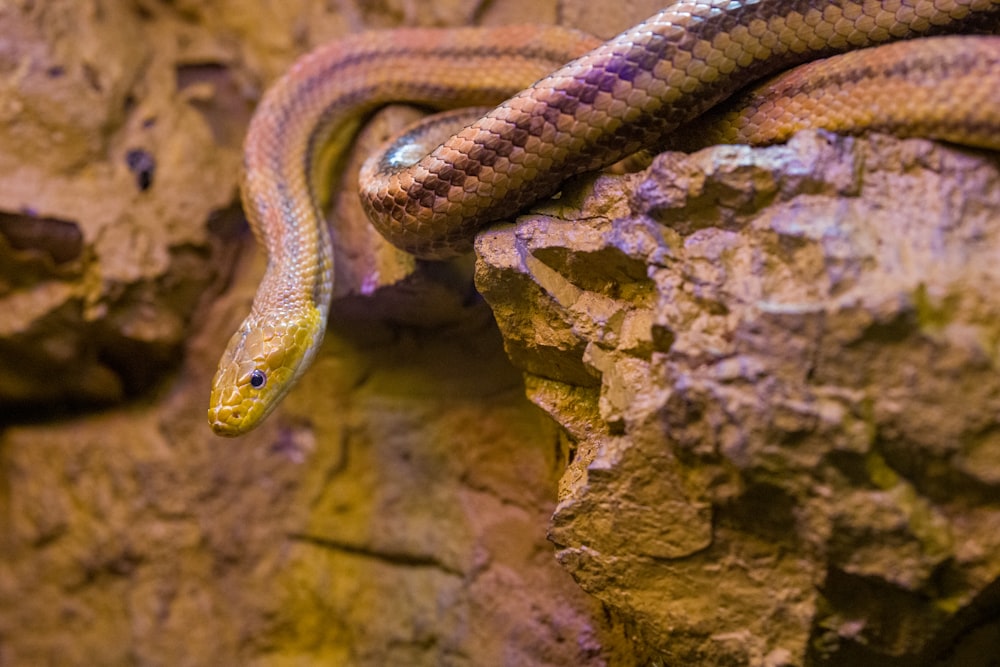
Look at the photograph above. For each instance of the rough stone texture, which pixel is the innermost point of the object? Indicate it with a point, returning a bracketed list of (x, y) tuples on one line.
[(113, 195), (778, 370), (393, 512), (777, 441), (607, 19)]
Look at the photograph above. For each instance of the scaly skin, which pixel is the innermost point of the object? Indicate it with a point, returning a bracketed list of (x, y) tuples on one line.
[(623, 95), (943, 88)]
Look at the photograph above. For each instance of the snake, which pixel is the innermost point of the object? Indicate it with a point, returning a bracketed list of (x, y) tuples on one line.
[(565, 103)]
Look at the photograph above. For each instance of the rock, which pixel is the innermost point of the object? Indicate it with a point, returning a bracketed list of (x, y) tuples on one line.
[(777, 429), (393, 511), (115, 205), (777, 369)]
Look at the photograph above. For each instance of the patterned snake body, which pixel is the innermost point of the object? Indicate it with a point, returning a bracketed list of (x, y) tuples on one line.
[(614, 99)]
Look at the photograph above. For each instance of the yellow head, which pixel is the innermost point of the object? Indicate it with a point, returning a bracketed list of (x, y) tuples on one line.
[(261, 363)]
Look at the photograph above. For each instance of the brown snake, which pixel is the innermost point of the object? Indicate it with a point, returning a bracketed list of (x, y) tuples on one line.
[(623, 95)]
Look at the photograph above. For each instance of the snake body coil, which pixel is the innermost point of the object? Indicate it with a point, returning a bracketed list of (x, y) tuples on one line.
[(614, 99)]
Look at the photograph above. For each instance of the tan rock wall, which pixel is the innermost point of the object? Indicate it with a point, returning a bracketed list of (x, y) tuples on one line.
[(393, 512), (773, 374), (779, 370)]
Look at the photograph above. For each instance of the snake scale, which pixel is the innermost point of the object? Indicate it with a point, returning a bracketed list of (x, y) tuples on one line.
[(611, 99)]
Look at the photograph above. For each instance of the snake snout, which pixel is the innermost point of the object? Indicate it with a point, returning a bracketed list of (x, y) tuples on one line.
[(262, 362)]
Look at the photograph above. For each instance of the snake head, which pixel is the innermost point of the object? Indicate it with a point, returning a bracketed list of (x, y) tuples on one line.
[(261, 363)]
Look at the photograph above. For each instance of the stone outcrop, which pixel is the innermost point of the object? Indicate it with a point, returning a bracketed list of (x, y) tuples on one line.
[(772, 377), (393, 512), (115, 200), (778, 372)]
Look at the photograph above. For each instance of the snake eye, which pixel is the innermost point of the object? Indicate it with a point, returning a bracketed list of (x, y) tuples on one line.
[(258, 379)]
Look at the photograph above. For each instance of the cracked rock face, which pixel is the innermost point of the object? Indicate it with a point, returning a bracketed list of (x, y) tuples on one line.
[(777, 369), (115, 216), (392, 511)]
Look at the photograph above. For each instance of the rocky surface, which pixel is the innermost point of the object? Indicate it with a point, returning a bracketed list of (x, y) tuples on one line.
[(393, 512), (778, 372), (773, 371), (114, 194)]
